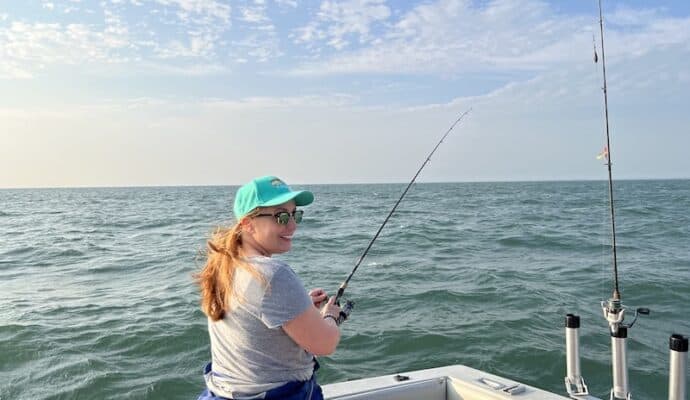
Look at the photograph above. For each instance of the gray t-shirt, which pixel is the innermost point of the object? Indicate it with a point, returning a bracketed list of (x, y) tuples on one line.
[(250, 351)]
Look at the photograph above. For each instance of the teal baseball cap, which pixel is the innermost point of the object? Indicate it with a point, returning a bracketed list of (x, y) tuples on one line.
[(267, 191)]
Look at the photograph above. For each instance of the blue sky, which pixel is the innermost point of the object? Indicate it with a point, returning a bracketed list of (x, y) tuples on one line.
[(197, 92)]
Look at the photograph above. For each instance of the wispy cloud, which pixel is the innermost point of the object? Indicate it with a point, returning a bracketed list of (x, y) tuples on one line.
[(625, 15), (338, 21), (200, 12), (182, 70), (203, 23), (11, 70), (286, 3), (255, 13), (258, 103), (257, 46), (29, 47), (46, 43), (454, 37), (436, 38)]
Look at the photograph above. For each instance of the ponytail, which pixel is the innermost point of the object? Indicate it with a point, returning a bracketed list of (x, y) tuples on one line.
[(218, 274)]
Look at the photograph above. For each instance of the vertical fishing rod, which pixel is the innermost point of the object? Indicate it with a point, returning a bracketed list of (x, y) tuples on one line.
[(343, 286), (613, 309), (616, 292)]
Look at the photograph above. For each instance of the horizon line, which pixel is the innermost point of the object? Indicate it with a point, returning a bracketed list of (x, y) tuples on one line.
[(152, 186)]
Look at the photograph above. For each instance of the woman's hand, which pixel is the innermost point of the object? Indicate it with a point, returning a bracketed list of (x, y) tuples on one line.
[(313, 331), (318, 296), (331, 308)]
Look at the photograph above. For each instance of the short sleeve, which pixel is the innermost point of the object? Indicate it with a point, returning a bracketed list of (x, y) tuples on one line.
[(285, 298)]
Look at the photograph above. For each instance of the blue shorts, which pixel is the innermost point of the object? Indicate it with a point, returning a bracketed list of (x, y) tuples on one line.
[(296, 390)]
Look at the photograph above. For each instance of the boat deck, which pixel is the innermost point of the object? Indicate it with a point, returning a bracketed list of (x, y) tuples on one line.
[(455, 382)]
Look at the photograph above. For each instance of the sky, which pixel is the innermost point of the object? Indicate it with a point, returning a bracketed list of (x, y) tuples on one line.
[(211, 92)]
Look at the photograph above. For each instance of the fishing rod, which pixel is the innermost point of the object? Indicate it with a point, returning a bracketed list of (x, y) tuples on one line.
[(348, 306), (607, 151), (613, 309)]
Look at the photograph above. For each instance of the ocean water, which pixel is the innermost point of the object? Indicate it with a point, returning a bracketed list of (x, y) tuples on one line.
[(97, 298)]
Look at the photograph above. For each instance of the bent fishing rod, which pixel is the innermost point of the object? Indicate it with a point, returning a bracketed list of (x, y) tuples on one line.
[(341, 290)]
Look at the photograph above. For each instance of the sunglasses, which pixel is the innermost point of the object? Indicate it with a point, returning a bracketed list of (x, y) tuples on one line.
[(283, 217)]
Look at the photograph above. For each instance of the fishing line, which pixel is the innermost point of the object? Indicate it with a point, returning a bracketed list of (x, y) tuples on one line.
[(604, 254), (348, 307)]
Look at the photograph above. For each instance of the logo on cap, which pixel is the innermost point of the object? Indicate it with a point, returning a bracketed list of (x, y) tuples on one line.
[(277, 182)]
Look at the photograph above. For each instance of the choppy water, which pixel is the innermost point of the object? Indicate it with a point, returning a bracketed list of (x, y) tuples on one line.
[(97, 299)]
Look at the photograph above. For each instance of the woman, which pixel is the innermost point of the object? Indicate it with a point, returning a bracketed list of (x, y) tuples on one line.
[(265, 328)]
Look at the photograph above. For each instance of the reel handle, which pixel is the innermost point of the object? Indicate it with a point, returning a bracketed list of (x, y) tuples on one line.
[(345, 311)]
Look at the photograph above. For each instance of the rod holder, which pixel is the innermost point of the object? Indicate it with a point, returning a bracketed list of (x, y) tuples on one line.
[(678, 345), (619, 361), (574, 383)]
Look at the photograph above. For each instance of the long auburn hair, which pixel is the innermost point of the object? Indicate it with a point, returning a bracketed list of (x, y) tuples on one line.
[(216, 279)]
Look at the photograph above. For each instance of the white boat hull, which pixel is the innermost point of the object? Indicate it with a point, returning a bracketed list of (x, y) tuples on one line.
[(455, 382)]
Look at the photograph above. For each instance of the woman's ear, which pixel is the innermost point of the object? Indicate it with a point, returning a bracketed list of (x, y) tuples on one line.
[(247, 225)]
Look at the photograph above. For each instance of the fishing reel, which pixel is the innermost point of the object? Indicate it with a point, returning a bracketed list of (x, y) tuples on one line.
[(614, 313), (344, 311)]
